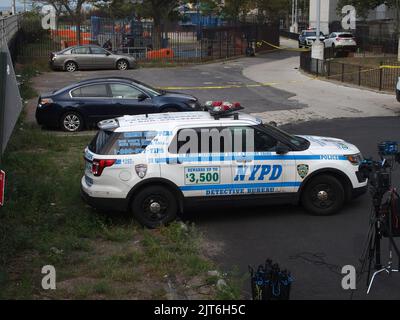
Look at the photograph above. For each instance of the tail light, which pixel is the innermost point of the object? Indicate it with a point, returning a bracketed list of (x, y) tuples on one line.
[(99, 165), (44, 101)]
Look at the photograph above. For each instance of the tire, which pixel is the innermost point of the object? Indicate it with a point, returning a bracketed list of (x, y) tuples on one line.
[(170, 109), (398, 95), (122, 64), (162, 200), (71, 66), (300, 46), (313, 196), (71, 122)]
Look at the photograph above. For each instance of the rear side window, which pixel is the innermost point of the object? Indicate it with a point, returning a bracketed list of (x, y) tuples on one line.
[(81, 50), (121, 143), (94, 91)]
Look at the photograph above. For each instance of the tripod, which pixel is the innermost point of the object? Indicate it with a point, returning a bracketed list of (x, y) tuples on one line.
[(382, 226)]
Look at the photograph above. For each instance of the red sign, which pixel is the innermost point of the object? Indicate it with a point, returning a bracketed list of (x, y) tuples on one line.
[(2, 186)]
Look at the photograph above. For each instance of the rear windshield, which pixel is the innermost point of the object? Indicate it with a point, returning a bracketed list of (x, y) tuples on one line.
[(346, 35), (121, 143)]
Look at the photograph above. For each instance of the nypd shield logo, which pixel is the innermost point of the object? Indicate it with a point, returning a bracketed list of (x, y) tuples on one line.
[(302, 170)]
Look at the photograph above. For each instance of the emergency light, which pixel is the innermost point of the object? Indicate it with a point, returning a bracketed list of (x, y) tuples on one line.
[(222, 107)]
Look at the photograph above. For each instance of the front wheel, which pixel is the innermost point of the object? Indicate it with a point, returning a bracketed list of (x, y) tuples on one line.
[(323, 195), (154, 206), (398, 95), (122, 65)]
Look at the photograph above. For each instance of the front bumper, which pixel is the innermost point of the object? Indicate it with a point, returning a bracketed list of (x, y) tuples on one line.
[(357, 192)]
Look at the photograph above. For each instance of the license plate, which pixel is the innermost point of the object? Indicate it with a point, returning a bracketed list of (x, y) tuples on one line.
[(202, 175), (89, 181)]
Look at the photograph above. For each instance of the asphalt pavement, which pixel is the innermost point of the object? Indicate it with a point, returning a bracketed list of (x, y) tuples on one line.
[(313, 248)]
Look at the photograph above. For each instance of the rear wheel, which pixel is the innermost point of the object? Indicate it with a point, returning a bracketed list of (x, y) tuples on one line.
[(71, 66), (122, 65), (398, 95), (154, 206), (71, 122), (324, 195)]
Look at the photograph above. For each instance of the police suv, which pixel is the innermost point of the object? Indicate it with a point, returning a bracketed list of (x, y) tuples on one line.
[(154, 165)]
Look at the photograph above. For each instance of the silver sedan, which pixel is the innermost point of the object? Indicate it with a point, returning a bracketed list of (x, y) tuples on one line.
[(89, 57)]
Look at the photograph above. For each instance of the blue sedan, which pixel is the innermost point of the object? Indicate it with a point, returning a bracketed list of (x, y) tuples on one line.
[(85, 103)]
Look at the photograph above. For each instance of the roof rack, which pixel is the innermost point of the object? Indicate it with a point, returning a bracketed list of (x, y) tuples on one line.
[(223, 109)]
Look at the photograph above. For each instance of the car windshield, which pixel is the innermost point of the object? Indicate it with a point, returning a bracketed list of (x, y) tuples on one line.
[(153, 91), (313, 34), (297, 141)]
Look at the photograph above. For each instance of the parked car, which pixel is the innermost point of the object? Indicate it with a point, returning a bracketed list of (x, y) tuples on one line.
[(142, 165), (89, 57), (343, 40), (398, 90), (308, 37), (83, 104)]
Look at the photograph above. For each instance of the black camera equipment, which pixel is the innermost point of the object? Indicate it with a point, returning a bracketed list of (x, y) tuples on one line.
[(268, 282), (385, 221)]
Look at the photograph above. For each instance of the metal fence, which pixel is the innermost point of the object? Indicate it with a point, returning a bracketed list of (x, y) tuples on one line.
[(10, 99), (9, 27), (140, 39), (381, 76)]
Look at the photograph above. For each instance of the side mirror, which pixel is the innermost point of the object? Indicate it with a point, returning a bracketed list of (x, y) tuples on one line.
[(282, 149), (108, 54), (142, 97)]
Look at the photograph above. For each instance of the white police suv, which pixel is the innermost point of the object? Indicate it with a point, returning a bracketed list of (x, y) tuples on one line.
[(154, 165)]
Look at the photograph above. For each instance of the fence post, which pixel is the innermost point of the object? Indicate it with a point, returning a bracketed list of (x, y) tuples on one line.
[(317, 61), (3, 75), (342, 72), (380, 77), (359, 75), (329, 68)]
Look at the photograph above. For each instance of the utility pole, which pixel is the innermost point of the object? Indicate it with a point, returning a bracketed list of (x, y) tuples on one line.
[(13, 8), (317, 50), (292, 20), (296, 20)]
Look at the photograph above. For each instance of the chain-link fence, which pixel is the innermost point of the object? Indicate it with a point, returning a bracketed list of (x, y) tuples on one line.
[(145, 41)]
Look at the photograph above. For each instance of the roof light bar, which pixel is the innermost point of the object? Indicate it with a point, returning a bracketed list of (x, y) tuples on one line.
[(108, 124), (221, 108)]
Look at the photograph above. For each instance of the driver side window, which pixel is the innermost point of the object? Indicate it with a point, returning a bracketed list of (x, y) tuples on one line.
[(122, 91), (263, 142)]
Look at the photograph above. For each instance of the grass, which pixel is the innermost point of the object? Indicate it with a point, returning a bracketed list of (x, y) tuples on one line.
[(96, 256)]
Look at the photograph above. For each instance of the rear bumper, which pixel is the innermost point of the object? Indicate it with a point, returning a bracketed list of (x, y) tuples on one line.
[(112, 204)]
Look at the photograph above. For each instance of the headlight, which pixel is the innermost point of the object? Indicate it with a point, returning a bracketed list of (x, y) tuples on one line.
[(355, 159)]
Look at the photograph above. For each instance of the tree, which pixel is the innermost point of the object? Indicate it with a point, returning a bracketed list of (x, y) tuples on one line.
[(118, 9), (72, 7), (272, 10)]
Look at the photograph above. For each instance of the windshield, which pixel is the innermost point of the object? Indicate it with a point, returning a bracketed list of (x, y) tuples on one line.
[(297, 141), (313, 34)]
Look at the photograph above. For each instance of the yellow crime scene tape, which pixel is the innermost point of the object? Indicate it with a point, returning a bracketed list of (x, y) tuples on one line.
[(259, 44)]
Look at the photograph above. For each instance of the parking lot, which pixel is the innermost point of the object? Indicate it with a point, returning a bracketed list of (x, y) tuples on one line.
[(286, 234)]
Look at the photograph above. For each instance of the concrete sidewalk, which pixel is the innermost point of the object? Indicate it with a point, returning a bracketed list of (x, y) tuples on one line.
[(324, 100)]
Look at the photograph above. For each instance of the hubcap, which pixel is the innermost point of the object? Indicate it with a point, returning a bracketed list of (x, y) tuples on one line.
[(71, 122), (70, 67), (122, 65), (322, 195), (155, 207)]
